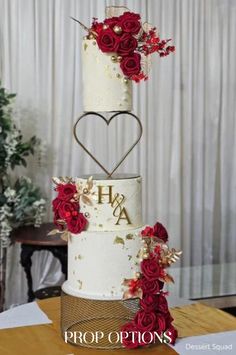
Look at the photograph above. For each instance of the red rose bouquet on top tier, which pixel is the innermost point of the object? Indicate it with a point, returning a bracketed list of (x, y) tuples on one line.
[(129, 40)]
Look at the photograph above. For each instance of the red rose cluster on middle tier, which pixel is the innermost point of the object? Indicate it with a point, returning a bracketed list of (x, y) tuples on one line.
[(126, 37), (66, 209)]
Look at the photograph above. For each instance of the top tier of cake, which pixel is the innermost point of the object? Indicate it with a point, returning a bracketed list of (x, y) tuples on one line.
[(111, 204), (105, 88)]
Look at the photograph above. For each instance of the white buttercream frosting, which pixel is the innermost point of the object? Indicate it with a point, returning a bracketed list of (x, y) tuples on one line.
[(98, 262), (105, 87), (115, 204)]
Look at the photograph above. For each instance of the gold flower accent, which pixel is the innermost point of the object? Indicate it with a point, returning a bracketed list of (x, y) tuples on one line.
[(85, 193)]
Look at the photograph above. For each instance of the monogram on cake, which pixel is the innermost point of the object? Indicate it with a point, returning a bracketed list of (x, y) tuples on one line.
[(100, 258)]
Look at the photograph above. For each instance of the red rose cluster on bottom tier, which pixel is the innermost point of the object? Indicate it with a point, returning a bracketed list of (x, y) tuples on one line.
[(153, 321)]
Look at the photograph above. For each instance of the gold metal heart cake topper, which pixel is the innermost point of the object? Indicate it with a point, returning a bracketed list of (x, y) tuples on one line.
[(108, 121)]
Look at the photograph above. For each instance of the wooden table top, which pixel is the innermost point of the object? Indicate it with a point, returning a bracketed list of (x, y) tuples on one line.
[(194, 319), (37, 236)]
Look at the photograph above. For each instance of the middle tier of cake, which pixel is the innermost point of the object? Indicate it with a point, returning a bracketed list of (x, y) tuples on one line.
[(98, 263), (112, 204)]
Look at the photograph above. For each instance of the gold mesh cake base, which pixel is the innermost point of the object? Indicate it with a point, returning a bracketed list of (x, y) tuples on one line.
[(83, 318)]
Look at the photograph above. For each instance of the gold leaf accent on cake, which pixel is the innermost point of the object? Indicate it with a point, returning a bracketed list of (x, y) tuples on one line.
[(119, 240), (80, 284), (168, 278), (90, 182), (129, 257), (80, 257), (65, 235), (100, 225), (84, 192), (85, 46), (138, 293), (75, 257), (129, 236), (86, 200), (170, 256), (53, 232)]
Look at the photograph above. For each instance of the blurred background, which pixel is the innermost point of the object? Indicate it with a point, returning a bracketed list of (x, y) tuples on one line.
[(188, 110)]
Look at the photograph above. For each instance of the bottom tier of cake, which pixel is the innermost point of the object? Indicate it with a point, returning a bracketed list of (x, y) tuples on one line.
[(95, 323), (98, 263)]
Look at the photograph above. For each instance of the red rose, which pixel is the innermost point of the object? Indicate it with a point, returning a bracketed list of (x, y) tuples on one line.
[(55, 204), (112, 21), (162, 304), (68, 209), (160, 232), (150, 269), (131, 65), (147, 232), (149, 303), (161, 323), (66, 191), (172, 334), (77, 224), (127, 44), (169, 319), (97, 27), (108, 41), (129, 336), (129, 22), (149, 287), (145, 321)]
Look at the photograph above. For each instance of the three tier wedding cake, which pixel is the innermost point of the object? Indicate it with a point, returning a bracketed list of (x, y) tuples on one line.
[(117, 266)]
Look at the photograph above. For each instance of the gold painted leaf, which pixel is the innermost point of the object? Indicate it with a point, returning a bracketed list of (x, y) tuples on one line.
[(77, 185), (127, 295), (126, 282), (119, 240), (90, 183), (129, 236), (65, 235), (54, 232), (61, 221), (137, 294), (171, 256), (168, 278), (86, 200)]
